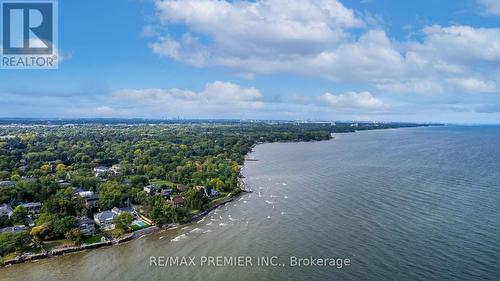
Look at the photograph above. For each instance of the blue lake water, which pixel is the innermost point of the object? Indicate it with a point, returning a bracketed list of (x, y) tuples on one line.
[(402, 204)]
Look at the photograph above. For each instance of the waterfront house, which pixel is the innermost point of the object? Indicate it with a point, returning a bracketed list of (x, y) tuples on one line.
[(5, 210), (14, 229), (130, 210), (86, 226), (211, 193), (33, 208), (105, 219)]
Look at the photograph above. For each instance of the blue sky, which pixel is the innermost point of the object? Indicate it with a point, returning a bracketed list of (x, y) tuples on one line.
[(423, 61)]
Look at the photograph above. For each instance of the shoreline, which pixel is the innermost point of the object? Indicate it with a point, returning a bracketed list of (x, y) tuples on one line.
[(132, 236), (154, 229)]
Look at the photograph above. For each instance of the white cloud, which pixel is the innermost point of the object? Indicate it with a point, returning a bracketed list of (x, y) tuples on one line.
[(474, 85), (254, 31), (217, 98), (105, 110), (490, 7), (460, 44), (316, 38), (353, 100)]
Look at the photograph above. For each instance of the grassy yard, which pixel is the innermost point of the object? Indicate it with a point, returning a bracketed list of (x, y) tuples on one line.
[(10, 256), (162, 182), (92, 239), (53, 244)]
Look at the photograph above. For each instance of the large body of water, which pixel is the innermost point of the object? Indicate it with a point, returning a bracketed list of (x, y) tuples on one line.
[(403, 204)]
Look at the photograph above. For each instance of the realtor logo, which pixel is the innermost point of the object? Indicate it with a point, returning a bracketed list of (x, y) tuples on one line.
[(29, 34)]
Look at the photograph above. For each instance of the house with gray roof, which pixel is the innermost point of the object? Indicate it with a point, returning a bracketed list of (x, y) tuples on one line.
[(5, 210), (14, 229), (33, 208), (7, 183), (105, 219), (101, 171), (86, 226)]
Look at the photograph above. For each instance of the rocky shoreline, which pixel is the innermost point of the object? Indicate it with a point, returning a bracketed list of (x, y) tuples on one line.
[(137, 234)]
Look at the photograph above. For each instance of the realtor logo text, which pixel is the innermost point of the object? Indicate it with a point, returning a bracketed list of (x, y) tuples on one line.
[(29, 34)]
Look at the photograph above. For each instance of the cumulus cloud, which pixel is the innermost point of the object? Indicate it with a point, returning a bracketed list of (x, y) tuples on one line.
[(217, 98), (353, 100), (490, 7), (105, 110), (323, 38), (250, 33)]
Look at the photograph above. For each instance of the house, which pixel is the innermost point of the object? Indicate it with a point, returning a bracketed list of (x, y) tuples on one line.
[(130, 210), (52, 165), (151, 189), (28, 179), (63, 183), (7, 183), (209, 192), (86, 226), (23, 168), (212, 193), (181, 187), (116, 169), (14, 229), (166, 193), (105, 219), (178, 201), (101, 171), (91, 200), (33, 208), (5, 211)]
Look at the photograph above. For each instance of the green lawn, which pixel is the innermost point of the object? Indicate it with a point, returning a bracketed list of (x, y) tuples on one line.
[(162, 182), (92, 239), (10, 256), (61, 243)]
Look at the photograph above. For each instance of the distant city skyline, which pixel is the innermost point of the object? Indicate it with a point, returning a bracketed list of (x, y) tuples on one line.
[(366, 60)]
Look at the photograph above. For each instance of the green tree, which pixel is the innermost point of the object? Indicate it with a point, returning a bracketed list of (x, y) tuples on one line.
[(113, 194), (14, 242), (39, 233), (20, 215), (74, 235), (122, 221), (64, 203), (62, 225)]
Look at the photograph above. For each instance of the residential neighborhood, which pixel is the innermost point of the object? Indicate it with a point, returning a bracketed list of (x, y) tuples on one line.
[(95, 220), (73, 186)]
